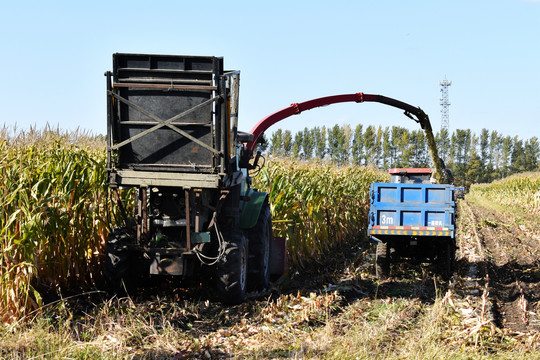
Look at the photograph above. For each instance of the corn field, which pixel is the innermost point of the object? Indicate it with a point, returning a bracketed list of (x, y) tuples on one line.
[(55, 212), (316, 205), (53, 219), (520, 191)]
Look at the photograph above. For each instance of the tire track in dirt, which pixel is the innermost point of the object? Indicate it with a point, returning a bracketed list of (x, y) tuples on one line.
[(511, 261), (473, 274)]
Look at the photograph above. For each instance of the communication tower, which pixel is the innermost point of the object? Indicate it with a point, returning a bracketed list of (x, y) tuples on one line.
[(445, 104)]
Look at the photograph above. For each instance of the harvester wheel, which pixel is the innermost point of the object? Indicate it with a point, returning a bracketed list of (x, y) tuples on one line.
[(117, 276), (260, 249), (382, 261), (232, 267)]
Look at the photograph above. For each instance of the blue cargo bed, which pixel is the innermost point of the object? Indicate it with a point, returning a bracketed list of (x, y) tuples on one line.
[(412, 210)]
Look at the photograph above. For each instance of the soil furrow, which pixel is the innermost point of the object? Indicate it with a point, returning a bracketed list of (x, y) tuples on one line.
[(512, 267)]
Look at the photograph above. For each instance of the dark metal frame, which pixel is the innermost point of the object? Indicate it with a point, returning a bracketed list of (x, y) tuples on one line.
[(215, 82)]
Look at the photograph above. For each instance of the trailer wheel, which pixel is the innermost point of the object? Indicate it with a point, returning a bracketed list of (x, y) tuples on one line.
[(260, 249), (117, 276), (232, 267), (446, 260), (382, 261)]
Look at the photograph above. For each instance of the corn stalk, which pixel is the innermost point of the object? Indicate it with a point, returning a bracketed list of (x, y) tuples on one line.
[(53, 216), (317, 205)]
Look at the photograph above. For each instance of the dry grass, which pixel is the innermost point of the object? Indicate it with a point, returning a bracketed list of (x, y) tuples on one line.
[(321, 325)]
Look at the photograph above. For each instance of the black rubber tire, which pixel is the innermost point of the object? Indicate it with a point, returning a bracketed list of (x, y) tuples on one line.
[(446, 260), (231, 271), (382, 261), (117, 275), (260, 249)]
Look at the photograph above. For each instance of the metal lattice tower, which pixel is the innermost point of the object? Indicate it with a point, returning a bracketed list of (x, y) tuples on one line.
[(445, 104)]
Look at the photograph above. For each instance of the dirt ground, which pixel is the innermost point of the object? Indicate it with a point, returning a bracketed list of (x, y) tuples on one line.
[(336, 308), (500, 252), (496, 284)]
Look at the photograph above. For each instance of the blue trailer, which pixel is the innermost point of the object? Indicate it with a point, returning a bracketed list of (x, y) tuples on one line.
[(413, 220)]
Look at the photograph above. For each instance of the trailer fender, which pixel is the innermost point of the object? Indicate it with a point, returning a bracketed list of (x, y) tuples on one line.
[(252, 205)]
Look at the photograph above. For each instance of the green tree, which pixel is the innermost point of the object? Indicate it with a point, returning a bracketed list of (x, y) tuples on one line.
[(369, 145), (443, 142), (276, 148), (495, 144), (485, 154), (287, 143), (462, 146), (519, 163), (345, 144), (320, 142), (506, 152), (421, 151), (357, 150), (387, 149), (297, 145), (308, 143), (404, 144), (336, 141), (396, 133), (473, 171), (378, 146), (532, 154)]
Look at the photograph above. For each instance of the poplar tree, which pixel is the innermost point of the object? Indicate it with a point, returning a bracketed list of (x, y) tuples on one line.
[(357, 149), (287, 143), (320, 142), (506, 152), (308, 143), (387, 149), (276, 148), (297, 145), (369, 145), (532, 154), (335, 141), (344, 144)]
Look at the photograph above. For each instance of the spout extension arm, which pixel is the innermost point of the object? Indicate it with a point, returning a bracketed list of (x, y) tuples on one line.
[(414, 113), (419, 115), (297, 108)]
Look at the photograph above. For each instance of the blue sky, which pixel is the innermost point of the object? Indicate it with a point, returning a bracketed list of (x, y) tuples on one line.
[(54, 54)]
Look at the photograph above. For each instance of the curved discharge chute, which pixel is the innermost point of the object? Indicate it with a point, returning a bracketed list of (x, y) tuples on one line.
[(414, 113)]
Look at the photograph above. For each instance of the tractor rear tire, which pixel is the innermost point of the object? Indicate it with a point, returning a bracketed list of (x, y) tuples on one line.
[(382, 261), (117, 275), (232, 267), (260, 249)]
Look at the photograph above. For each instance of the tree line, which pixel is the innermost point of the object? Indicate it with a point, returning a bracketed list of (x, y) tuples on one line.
[(472, 158)]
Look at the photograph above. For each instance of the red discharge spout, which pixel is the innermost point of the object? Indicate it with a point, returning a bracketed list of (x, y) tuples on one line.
[(297, 108), (414, 113)]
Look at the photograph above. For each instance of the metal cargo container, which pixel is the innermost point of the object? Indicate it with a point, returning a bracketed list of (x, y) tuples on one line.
[(413, 220)]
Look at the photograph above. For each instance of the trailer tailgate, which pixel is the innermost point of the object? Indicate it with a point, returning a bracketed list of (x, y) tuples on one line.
[(412, 209)]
